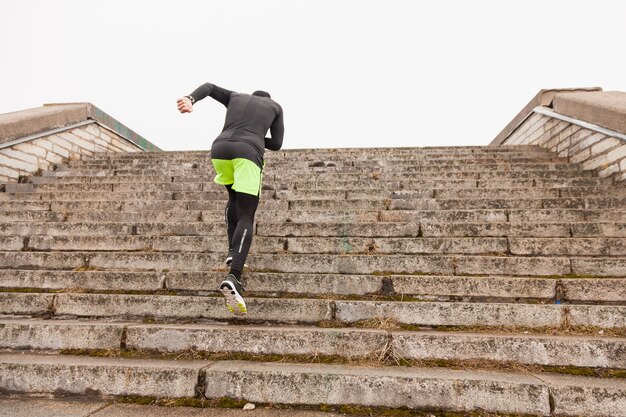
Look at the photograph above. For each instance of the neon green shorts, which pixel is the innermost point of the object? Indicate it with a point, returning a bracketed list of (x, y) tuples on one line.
[(244, 175)]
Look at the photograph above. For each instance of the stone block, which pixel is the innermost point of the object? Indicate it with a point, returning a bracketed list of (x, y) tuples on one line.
[(352, 343), (609, 267), (581, 156), (16, 164), (86, 280), (56, 335), (389, 387), (30, 148), (525, 349), (607, 317), (76, 141), (260, 309), (605, 144), (62, 142), (20, 155), (59, 150), (93, 129), (592, 397), (280, 282), (82, 133), (24, 303), (617, 153), (43, 143), (503, 265), (11, 243), (84, 375), (452, 314), (9, 172), (571, 246), (608, 171), (55, 158), (467, 287)]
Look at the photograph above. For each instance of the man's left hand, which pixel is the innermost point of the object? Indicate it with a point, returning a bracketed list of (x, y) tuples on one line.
[(184, 105)]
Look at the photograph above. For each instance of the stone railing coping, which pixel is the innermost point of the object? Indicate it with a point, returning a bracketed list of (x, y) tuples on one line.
[(24, 123), (602, 108), (543, 98)]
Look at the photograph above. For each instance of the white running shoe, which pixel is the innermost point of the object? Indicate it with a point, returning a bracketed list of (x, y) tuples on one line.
[(232, 289)]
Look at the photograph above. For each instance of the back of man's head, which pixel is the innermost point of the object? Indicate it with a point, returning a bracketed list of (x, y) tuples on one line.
[(262, 94)]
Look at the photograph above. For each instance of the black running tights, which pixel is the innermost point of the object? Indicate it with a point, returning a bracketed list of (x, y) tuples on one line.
[(240, 211)]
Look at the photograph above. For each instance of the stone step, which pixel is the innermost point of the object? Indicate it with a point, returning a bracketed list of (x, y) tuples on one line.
[(301, 310), (398, 183), (334, 171), (471, 173), (157, 184), (320, 155), (55, 335), (308, 263), (296, 158), (299, 165), (333, 156), (268, 219), (289, 229), (449, 183), (313, 177), (368, 152), (331, 245), (268, 383), (388, 205), (215, 216), (427, 287), (458, 204), (138, 205), (417, 166), (327, 245), (209, 185), (330, 194), (60, 374), (417, 388), (425, 229)]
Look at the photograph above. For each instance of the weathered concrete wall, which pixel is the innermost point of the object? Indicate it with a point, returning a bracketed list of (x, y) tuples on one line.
[(594, 150), (588, 127), (39, 154), (34, 139)]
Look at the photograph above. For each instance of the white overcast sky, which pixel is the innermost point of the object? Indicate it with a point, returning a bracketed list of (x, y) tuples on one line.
[(348, 73)]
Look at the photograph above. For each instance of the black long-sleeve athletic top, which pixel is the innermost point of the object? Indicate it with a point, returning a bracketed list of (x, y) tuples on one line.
[(248, 118)]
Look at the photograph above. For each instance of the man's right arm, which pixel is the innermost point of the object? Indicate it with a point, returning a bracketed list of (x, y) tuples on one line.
[(207, 89), (277, 131)]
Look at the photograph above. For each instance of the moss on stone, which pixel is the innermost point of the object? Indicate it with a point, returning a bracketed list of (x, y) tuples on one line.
[(376, 359)]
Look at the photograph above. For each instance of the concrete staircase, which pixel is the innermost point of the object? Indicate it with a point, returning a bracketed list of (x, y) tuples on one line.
[(444, 279)]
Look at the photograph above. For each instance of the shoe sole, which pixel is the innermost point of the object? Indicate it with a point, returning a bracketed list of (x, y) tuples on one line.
[(234, 301)]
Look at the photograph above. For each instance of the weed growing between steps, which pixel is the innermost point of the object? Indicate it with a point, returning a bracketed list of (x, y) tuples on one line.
[(352, 410), (384, 358), (303, 296), (387, 323)]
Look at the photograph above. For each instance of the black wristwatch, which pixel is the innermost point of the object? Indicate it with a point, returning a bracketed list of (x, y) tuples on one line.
[(193, 100)]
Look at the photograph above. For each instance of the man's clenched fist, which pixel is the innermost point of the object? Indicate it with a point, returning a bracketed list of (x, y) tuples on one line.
[(184, 105)]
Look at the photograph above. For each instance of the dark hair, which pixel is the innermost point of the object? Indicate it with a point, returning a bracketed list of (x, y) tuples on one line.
[(261, 93)]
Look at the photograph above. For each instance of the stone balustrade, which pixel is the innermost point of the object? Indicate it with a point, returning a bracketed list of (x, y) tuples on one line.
[(37, 139)]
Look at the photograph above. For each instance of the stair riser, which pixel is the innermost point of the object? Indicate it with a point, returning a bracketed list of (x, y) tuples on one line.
[(139, 378), (436, 288), (345, 343), (355, 264), (313, 311), (328, 245), (268, 221)]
